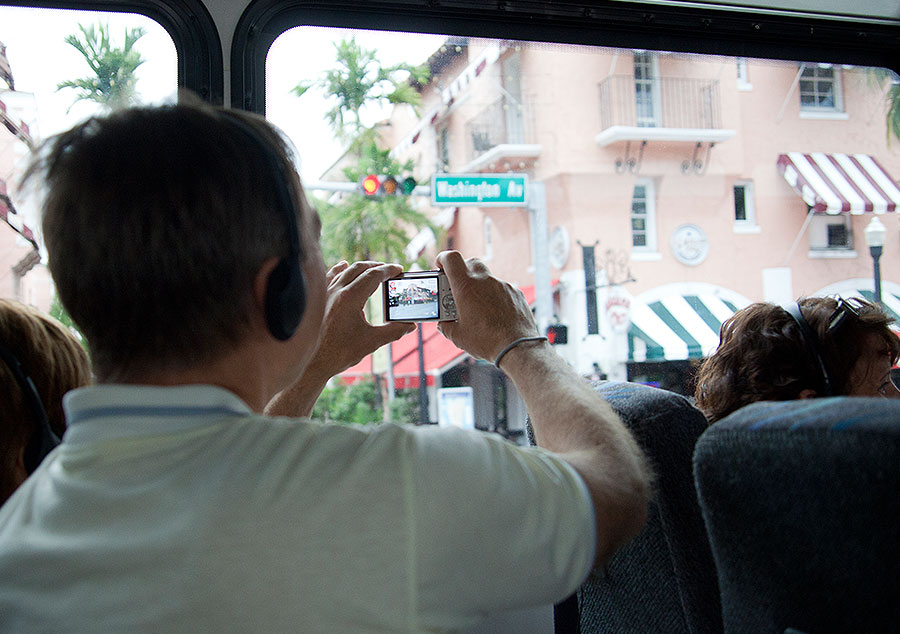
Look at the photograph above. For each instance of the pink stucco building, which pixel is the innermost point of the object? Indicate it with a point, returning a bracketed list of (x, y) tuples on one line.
[(22, 276), (698, 183)]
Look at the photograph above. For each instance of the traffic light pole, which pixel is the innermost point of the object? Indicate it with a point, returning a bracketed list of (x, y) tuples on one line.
[(537, 210)]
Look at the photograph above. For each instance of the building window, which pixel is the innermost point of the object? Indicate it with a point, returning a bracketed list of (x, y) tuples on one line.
[(838, 236), (743, 74), (443, 149), (488, 238), (643, 217), (820, 88), (646, 89), (829, 233), (744, 211)]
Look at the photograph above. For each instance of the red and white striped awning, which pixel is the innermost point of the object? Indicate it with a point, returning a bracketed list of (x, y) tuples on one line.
[(838, 183)]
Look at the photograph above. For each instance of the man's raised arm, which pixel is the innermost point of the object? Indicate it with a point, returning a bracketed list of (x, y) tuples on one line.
[(569, 418)]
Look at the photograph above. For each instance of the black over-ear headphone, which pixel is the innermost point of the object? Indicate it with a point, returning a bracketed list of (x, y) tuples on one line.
[(285, 291), (42, 439), (810, 341)]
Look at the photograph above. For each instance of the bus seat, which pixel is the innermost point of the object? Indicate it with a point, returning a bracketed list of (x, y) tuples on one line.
[(802, 505), (664, 580)]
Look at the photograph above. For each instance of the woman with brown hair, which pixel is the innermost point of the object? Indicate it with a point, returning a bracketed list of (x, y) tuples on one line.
[(820, 346), (40, 360)]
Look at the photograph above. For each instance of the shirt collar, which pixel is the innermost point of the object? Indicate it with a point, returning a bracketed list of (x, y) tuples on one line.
[(124, 410)]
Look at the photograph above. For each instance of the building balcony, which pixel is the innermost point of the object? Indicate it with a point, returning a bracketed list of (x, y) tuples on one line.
[(664, 109), (500, 138), (5, 69), (19, 129)]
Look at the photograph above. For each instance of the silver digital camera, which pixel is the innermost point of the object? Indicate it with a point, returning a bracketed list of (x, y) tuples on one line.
[(419, 296)]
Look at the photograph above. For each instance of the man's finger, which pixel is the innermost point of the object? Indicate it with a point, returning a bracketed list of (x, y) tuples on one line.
[(335, 270), (354, 270), (367, 281), (451, 263), (391, 332)]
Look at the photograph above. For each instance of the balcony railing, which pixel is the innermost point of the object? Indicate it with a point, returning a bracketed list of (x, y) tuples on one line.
[(5, 70), (665, 102), (504, 122)]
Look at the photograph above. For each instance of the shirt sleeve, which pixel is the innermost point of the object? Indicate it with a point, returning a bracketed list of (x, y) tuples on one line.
[(495, 526)]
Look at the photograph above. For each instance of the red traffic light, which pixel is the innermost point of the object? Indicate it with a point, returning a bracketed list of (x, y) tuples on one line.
[(370, 184), (558, 334)]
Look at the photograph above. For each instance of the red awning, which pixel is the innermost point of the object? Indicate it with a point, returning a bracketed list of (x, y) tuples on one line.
[(837, 183), (440, 355)]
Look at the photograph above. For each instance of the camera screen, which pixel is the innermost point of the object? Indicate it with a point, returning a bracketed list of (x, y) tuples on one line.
[(412, 299)]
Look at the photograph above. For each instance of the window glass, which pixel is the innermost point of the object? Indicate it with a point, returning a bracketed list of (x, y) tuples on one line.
[(46, 86), (641, 218), (820, 87), (744, 212), (692, 191)]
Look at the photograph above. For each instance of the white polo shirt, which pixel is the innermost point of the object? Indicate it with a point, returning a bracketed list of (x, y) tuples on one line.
[(179, 510)]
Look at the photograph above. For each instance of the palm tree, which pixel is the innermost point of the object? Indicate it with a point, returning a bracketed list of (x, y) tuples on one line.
[(358, 80), (360, 228), (112, 83), (878, 77)]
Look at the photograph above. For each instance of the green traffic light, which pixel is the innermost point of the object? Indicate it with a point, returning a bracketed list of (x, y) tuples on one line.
[(407, 185)]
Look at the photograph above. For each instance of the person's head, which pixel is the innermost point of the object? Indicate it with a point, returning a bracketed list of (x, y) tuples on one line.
[(46, 352), (159, 222), (763, 355)]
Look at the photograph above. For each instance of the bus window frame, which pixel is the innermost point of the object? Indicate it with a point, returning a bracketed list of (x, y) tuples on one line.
[(189, 24), (677, 27)]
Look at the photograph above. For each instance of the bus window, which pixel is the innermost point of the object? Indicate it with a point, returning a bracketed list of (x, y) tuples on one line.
[(688, 186), (46, 86)]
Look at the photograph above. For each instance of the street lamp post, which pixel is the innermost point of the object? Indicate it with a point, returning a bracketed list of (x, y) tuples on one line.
[(875, 233)]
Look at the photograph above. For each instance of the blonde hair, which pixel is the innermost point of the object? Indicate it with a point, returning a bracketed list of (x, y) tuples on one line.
[(54, 360)]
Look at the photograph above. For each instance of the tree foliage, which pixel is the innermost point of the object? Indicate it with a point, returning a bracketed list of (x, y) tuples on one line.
[(359, 80), (359, 227), (363, 228), (112, 82), (355, 404), (880, 76)]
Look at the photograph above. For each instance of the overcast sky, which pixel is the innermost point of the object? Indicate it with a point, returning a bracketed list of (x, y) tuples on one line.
[(40, 60)]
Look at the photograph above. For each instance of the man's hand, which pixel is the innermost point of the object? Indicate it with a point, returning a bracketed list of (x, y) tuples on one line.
[(346, 336), (492, 313), (568, 417)]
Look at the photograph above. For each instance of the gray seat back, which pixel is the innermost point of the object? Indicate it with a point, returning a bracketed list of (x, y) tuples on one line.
[(664, 580), (802, 505)]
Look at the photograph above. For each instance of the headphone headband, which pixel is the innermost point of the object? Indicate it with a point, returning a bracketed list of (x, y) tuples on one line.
[(285, 291), (43, 439), (810, 341)]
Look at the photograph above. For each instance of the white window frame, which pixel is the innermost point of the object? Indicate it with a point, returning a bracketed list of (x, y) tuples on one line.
[(743, 74), (818, 237), (811, 110), (651, 80), (748, 224), (651, 245)]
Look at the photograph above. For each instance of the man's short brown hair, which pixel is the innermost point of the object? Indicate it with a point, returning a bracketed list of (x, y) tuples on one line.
[(762, 355), (156, 221), (56, 363)]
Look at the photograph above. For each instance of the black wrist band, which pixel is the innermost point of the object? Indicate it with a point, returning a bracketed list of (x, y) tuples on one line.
[(513, 345)]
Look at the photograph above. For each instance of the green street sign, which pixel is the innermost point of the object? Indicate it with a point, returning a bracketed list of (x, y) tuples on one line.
[(479, 190)]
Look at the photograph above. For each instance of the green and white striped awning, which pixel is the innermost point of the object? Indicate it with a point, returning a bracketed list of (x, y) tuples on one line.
[(678, 326)]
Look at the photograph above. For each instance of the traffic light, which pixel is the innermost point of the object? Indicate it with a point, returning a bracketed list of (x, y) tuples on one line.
[(558, 334), (369, 185), (375, 185)]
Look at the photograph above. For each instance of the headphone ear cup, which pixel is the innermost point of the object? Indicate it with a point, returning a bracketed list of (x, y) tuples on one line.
[(285, 299)]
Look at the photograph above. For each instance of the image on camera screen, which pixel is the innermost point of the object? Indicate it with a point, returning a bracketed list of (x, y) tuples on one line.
[(412, 299)]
